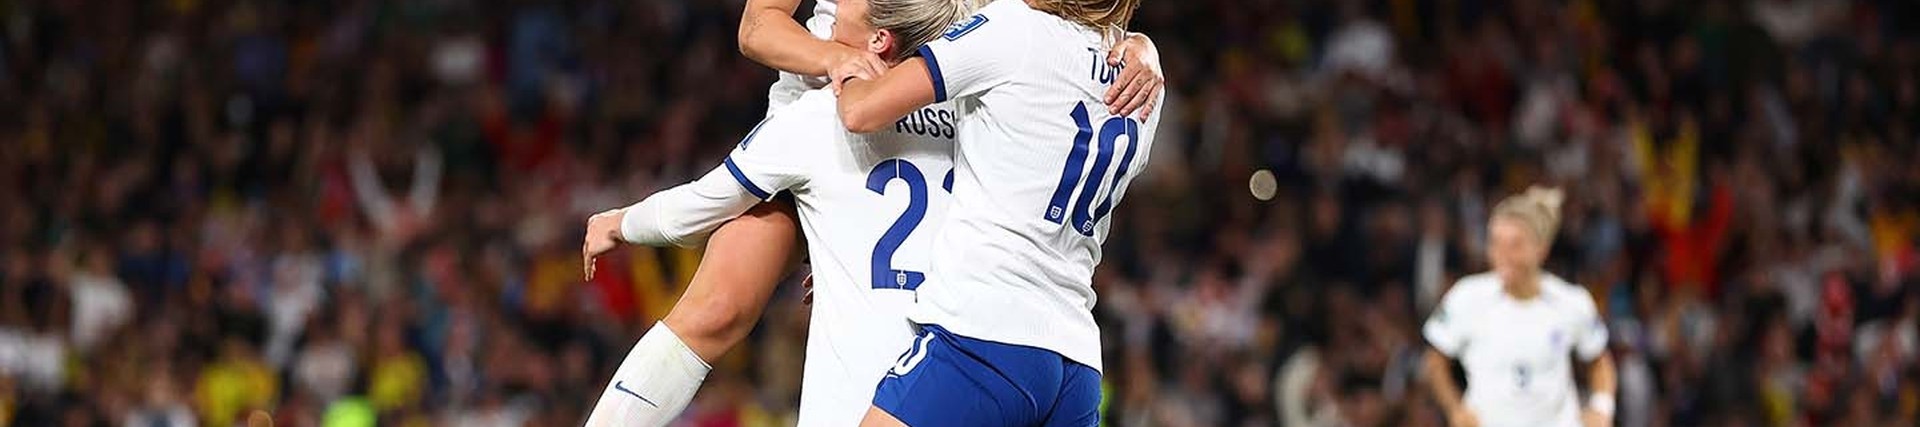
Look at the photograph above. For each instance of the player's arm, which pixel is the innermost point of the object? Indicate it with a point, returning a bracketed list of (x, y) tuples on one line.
[(678, 216), (1591, 349), (1446, 335), (970, 59), (1446, 392), (770, 36), (871, 106), (868, 106), (1600, 398), (684, 215)]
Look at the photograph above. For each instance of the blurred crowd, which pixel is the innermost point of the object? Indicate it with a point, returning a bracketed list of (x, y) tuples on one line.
[(347, 212)]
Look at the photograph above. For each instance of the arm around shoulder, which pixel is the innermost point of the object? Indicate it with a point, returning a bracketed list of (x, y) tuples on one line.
[(869, 106)]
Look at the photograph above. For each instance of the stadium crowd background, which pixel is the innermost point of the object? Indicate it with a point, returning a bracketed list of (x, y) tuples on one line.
[(342, 211)]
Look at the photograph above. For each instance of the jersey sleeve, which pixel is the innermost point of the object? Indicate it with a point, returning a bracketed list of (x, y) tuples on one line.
[(1446, 328), (686, 214), (774, 157), (1590, 335), (973, 56), (769, 160)]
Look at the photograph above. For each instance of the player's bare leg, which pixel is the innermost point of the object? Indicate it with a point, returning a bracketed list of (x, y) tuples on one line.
[(877, 417), (743, 263)]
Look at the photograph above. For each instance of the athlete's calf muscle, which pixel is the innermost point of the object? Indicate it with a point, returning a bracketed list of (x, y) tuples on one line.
[(743, 264)]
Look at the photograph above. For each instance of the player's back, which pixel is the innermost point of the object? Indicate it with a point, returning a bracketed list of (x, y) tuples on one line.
[(868, 206), (1040, 165)]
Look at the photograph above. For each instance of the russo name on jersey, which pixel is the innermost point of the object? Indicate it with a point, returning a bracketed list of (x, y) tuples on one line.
[(928, 122)]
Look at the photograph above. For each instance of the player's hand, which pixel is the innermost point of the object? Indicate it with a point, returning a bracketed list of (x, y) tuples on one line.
[(1463, 418), (1140, 81), (603, 234), (1592, 418), (857, 64)]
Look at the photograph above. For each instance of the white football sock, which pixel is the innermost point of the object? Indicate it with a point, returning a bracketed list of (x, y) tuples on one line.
[(653, 385)]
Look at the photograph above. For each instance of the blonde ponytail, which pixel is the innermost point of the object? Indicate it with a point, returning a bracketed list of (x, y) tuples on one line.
[(1538, 208)]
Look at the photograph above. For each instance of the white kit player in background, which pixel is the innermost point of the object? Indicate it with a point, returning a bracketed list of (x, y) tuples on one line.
[(1040, 165), (868, 201), (1516, 329)]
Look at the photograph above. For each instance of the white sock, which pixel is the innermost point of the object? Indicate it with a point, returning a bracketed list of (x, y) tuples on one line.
[(653, 385)]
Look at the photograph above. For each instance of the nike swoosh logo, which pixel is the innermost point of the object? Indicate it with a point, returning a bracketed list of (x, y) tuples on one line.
[(620, 385)]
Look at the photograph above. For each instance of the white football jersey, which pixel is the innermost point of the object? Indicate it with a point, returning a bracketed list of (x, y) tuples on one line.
[(1516, 353), (868, 205), (1040, 165), (789, 86)]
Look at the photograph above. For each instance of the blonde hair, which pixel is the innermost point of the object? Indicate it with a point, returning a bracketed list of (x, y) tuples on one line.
[(1108, 16), (1538, 208), (916, 22)]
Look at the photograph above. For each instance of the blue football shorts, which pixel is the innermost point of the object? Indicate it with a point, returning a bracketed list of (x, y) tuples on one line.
[(951, 380)]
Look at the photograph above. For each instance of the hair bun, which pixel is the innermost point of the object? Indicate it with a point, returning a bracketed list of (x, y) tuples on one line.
[(1549, 198), (1538, 207)]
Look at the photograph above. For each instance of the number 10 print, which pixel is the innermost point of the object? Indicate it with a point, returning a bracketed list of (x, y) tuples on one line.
[(1075, 172)]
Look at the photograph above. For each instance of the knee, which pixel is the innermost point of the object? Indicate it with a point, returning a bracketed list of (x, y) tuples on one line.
[(710, 326)]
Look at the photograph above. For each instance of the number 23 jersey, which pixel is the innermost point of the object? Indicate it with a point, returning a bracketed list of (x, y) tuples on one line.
[(868, 205)]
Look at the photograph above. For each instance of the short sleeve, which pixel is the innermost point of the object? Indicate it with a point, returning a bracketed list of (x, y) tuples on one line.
[(774, 155), (1446, 328), (1591, 331), (973, 56)]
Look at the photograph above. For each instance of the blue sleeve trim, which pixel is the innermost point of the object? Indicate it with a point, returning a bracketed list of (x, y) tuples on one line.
[(933, 70), (755, 131), (742, 177)]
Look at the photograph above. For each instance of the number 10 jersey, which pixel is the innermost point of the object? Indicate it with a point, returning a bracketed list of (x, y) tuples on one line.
[(1040, 164)]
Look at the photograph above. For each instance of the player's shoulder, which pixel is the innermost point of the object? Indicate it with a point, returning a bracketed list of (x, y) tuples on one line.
[(816, 111), (1475, 287), (809, 120), (1563, 292), (997, 19), (813, 103)]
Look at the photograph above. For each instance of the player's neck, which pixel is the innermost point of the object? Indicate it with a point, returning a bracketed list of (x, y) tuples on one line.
[(1526, 288)]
